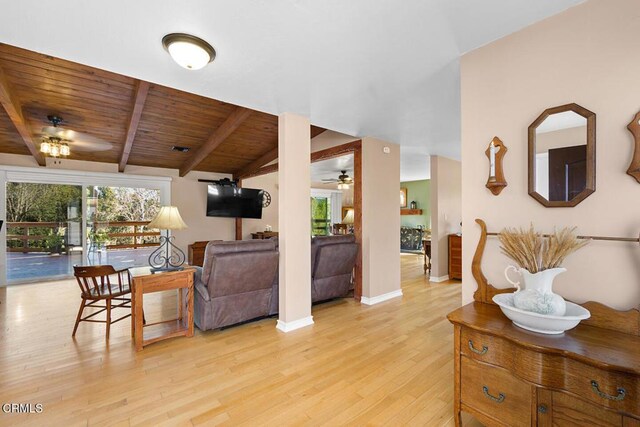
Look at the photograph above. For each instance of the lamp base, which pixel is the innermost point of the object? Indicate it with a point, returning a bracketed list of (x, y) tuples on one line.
[(167, 257)]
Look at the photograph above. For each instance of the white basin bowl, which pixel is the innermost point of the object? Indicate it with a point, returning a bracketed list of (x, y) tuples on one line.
[(541, 323)]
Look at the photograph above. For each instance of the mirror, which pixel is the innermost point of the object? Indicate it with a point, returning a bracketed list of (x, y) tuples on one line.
[(562, 161)]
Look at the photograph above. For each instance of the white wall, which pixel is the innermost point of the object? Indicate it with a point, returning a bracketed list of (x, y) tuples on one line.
[(446, 211), (587, 55)]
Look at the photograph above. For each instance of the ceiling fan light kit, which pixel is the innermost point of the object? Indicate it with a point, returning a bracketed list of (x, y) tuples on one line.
[(188, 51), (52, 145), (344, 181)]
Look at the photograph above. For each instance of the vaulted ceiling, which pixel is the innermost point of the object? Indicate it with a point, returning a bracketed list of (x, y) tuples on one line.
[(383, 68), (141, 121)]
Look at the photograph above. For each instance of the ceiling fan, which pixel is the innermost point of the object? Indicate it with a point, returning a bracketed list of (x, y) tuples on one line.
[(58, 141), (343, 180)]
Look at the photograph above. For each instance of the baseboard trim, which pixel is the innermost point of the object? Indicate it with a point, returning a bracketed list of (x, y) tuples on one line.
[(380, 298), (439, 279), (295, 324)]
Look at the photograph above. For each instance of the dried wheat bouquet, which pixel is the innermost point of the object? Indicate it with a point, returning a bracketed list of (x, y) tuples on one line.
[(535, 252)]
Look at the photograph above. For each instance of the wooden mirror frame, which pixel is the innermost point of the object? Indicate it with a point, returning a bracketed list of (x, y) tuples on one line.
[(591, 155)]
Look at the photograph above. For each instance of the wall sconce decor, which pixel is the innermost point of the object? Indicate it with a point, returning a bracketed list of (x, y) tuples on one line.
[(634, 167), (495, 152)]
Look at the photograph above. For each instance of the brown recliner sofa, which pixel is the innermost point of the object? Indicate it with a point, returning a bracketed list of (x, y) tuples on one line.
[(235, 283), (332, 262)]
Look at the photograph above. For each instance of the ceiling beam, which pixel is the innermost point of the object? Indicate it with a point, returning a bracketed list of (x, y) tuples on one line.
[(270, 156), (267, 157), (14, 111), (142, 89), (235, 119), (316, 156)]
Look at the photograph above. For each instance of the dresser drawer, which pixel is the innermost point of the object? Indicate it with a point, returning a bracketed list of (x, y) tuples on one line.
[(482, 347), (570, 411), (496, 393), (610, 389)]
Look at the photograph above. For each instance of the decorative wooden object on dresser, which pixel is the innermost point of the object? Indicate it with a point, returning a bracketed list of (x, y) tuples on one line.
[(506, 376), (264, 235), (196, 253), (455, 256)]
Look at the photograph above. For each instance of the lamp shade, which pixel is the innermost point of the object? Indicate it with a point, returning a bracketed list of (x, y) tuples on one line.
[(348, 218), (168, 219)]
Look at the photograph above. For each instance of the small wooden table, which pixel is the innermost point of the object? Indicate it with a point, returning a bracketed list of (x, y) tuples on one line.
[(144, 282), (426, 249)]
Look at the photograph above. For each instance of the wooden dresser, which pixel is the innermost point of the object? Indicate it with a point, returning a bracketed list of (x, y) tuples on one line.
[(261, 235), (507, 376), (504, 375), (196, 253), (455, 256)]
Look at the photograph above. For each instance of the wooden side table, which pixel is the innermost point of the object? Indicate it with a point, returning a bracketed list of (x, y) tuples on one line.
[(426, 250), (144, 282)]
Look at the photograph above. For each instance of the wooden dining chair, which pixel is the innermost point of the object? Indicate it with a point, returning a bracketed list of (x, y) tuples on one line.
[(97, 287)]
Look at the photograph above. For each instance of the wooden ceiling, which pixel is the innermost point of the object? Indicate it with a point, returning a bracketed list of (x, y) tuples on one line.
[(142, 121)]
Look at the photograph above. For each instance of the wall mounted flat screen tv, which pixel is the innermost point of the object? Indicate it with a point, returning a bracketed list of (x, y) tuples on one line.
[(232, 202)]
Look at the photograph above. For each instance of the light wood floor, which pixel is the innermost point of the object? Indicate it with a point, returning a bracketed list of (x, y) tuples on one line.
[(388, 364)]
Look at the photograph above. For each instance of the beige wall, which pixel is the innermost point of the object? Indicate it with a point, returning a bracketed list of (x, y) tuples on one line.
[(380, 218), (586, 55), (446, 211), (268, 182), (329, 138)]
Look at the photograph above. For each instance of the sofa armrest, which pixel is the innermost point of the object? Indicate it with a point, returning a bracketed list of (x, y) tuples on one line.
[(200, 287)]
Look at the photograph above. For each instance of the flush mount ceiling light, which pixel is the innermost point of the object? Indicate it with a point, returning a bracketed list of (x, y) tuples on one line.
[(188, 51)]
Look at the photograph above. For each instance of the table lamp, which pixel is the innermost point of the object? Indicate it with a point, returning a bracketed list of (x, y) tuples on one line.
[(348, 218), (168, 257)]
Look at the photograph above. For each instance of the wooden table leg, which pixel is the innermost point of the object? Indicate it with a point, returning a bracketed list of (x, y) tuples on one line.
[(457, 394), (425, 261), (133, 313), (138, 321), (190, 306)]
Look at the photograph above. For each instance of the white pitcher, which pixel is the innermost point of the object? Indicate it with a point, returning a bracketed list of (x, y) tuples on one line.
[(537, 293)]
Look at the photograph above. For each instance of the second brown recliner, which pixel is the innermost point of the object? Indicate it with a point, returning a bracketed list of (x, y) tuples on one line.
[(332, 262)]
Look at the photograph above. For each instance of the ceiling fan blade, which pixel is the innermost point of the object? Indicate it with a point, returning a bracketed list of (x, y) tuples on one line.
[(52, 131), (330, 180), (81, 145), (77, 140)]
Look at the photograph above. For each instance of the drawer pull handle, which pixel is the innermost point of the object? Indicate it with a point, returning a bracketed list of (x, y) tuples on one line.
[(475, 350), (498, 399), (596, 389)]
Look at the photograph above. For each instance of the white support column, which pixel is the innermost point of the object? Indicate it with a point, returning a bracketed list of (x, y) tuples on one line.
[(380, 221), (294, 221)]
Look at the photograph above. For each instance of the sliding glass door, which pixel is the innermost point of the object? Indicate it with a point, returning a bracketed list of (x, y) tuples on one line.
[(117, 219), (44, 231), (55, 219)]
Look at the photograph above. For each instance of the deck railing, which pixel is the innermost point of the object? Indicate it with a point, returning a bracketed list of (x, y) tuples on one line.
[(33, 236), (136, 234)]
